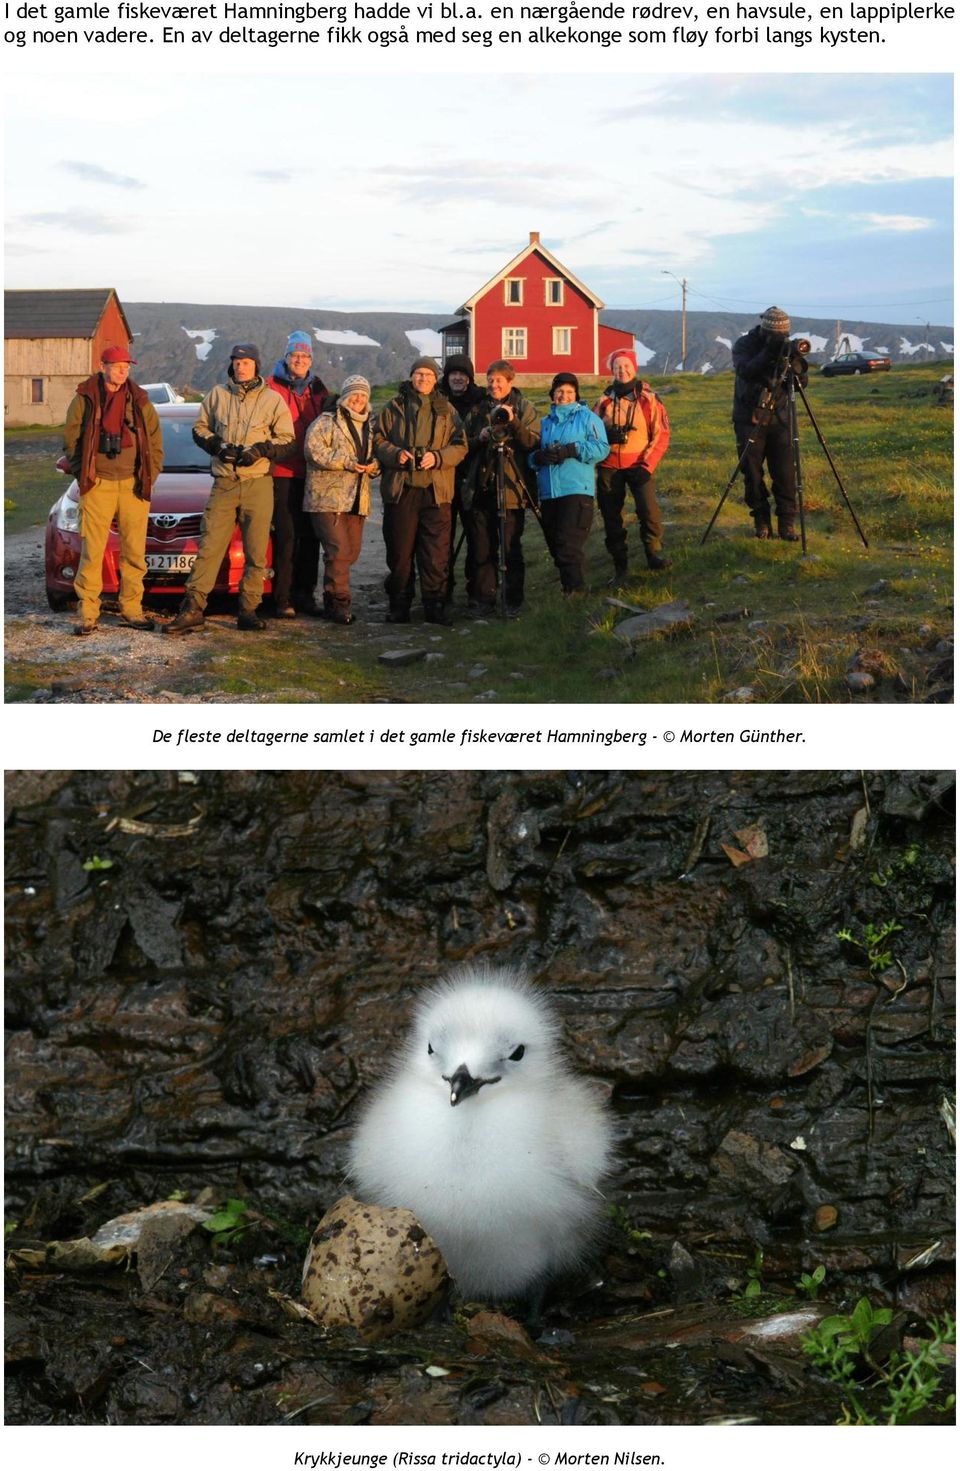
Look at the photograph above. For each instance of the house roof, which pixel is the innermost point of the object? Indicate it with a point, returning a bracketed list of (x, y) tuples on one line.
[(56, 313), (534, 248)]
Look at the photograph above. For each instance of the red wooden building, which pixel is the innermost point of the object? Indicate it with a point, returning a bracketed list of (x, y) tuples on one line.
[(52, 340), (537, 315)]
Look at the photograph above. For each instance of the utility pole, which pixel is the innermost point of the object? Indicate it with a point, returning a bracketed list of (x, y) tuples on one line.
[(683, 318)]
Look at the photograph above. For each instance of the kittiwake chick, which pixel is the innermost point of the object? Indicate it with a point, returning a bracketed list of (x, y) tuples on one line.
[(481, 1129)]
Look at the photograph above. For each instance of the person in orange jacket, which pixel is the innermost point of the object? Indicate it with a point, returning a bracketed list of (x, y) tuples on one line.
[(638, 431)]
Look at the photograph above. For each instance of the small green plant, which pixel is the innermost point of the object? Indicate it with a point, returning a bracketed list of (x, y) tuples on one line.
[(754, 1285), (872, 943), (621, 1221), (914, 1379), (811, 1282), (228, 1223), (96, 864), (842, 1347), (909, 856), (9, 1227)]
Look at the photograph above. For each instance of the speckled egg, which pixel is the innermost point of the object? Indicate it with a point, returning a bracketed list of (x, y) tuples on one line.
[(372, 1268)]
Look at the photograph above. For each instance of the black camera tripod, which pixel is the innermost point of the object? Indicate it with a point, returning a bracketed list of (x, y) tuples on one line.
[(787, 379), (526, 500)]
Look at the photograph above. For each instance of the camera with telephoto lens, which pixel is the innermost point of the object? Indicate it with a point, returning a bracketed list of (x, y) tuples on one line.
[(792, 351), (500, 417), (418, 454), (110, 445), (795, 352), (616, 434)]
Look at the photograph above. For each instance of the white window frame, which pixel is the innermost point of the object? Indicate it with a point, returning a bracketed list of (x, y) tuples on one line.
[(508, 348), (509, 281), (558, 351), (549, 281)]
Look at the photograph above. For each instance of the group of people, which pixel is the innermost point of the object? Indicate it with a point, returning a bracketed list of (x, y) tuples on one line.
[(458, 464)]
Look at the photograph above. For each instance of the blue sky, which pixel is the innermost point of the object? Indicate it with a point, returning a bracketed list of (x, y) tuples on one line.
[(830, 194)]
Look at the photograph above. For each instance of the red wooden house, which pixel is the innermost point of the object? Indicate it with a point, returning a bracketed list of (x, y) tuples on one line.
[(53, 339), (537, 315)]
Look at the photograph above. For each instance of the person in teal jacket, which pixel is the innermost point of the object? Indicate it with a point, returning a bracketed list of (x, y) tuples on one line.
[(573, 441)]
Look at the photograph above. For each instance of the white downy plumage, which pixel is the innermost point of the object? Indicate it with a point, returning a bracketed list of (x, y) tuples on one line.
[(486, 1135)]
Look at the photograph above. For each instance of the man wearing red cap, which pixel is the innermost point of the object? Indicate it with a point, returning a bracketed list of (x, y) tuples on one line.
[(638, 431), (113, 441)]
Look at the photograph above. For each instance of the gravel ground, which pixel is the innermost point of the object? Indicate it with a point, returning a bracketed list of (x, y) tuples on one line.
[(120, 665)]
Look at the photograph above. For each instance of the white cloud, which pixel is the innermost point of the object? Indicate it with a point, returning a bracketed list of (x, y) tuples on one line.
[(456, 214), (899, 224)]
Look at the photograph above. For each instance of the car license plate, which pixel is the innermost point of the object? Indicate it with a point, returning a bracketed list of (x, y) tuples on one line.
[(170, 561)]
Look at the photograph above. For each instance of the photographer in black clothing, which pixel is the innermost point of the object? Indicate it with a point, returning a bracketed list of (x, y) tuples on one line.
[(761, 412), (459, 385), (502, 425)]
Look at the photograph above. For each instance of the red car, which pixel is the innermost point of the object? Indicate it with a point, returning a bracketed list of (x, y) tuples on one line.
[(173, 531)]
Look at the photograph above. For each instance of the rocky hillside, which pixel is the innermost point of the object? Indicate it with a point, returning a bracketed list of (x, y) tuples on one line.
[(186, 343)]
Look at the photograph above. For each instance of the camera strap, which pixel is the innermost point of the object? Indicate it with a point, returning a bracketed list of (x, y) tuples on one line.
[(361, 444)]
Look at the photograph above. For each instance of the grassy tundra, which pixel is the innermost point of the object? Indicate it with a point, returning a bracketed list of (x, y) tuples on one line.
[(766, 619)]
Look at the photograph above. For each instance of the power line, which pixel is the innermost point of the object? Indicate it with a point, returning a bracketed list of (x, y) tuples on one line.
[(820, 305)]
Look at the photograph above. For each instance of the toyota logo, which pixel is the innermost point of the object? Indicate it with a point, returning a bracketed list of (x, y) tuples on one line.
[(165, 522)]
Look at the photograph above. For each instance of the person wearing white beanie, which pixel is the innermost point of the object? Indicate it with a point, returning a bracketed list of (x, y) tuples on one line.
[(340, 462)]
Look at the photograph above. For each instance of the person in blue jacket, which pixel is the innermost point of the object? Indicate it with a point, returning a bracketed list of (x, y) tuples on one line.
[(573, 441)]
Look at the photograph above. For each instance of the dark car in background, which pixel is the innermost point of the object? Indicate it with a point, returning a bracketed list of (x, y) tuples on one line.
[(173, 530), (856, 363)]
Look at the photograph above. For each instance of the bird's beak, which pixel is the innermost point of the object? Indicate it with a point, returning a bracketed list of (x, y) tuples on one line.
[(464, 1085)]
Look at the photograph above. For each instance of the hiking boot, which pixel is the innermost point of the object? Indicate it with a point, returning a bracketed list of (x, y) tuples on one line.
[(785, 529), (85, 626), (343, 616), (142, 624), (437, 613), (189, 618), (762, 529), (289, 611), (657, 562), (398, 615), (250, 623), (620, 571), (310, 608)]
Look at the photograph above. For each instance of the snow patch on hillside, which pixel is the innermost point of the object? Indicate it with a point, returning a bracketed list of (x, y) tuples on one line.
[(204, 345), (908, 348), (706, 367), (644, 354), (817, 344), (344, 339), (726, 342), (426, 340), (948, 348)]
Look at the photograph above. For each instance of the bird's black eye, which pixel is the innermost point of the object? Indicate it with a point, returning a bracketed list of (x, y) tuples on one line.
[(516, 1055), (429, 1050)]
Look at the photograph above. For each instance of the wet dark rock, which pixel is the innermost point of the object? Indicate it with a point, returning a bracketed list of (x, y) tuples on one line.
[(913, 795), (746, 1159)]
